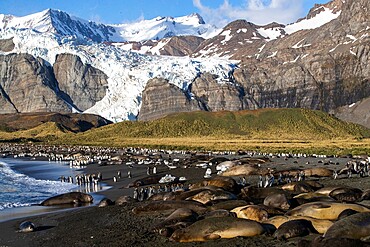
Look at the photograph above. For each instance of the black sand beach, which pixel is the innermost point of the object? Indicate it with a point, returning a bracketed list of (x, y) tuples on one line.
[(118, 226)]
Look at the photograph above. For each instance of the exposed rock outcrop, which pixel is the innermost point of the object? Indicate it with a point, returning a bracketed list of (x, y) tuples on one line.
[(181, 45), (83, 84), (72, 122), (27, 84), (358, 112), (6, 45), (161, 98), (214, 96)]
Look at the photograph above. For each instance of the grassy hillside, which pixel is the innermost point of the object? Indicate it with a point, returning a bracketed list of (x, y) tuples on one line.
[(265, 129)]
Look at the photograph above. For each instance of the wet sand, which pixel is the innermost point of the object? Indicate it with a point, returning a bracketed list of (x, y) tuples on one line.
[(118, 226)]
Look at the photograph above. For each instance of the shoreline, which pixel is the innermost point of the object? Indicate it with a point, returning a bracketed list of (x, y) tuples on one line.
[(118, 226)]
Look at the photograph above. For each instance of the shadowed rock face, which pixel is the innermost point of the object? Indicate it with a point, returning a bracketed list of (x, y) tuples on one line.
[(161, 98), (81, 83), (27, 85), (181, 45)]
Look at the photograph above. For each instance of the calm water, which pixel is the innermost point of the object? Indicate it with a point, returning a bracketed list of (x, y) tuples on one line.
[(24, 183)]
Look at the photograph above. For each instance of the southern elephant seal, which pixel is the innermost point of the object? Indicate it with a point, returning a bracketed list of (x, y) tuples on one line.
[(251, 212), (123, 200), (216, 228), (26, 226), (207, 196), (321, 226), (225, 183), (105, 202), (356, 226), (229, 205), (145, 181), (245, 170), (168, 207), (178, 219), (325, 210), (279, 200), (68, 198), (294, 228), (342, 242), (318, 172), (346, 194)]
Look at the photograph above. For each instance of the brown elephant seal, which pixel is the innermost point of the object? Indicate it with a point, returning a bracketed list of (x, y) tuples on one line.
[(318, 172), (180, 218), (216, 228), (68, 198), (245, 170), (277, 201), (326, 190), (217, 214), (229, 205), (346, 194), (252, 192), (145, 181), (105, 202), (321, 226), (207, 196), (251, 212), (298, 187), (355, 226), (325, 210), (225, 183), (122, 200), (168, 207), (346, 213), (342, 242), (294, 228), (26, 226)]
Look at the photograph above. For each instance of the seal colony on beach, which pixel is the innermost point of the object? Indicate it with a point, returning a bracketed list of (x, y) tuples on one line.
[(292, 202)]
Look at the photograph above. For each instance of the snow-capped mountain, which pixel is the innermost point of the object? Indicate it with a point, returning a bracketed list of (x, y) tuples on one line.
[(63, 24), (319, 62)]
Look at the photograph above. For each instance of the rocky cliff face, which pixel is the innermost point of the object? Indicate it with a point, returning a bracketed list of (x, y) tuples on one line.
[(27, 85), (161, 98), (6, 45), (83, 84), (322, 68)]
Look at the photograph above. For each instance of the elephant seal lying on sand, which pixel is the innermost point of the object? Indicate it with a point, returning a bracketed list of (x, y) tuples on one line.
[(68, 198), (216, 228)]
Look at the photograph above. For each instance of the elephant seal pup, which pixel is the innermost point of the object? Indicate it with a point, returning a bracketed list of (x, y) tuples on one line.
[(26, 226), (68, 198), (294, 228), (168, 207), (251, 212), (277, 201), (321, 226), (105, 202), (355, 226), (325, 210), (216, 228), (207, 196)]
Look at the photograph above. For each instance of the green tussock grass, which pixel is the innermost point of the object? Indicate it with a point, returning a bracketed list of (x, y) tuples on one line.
[(294, 130)]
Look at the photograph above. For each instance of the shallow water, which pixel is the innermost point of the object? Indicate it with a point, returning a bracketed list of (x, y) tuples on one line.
[(26, 183)]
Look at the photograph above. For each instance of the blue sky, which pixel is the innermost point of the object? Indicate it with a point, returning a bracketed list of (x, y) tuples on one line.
[(218, 12)]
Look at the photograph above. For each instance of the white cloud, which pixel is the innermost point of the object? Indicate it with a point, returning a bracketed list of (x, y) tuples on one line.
[(260, 12)]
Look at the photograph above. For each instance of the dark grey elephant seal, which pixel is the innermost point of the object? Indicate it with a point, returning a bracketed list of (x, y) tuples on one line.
[(68, 198), (26, 226), (346, 194), (105, 202), (123, 200), (294, 228), (355, 226), (346, 213)]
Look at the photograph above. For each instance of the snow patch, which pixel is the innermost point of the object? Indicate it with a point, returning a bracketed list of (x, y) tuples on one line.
[(320, 19)]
